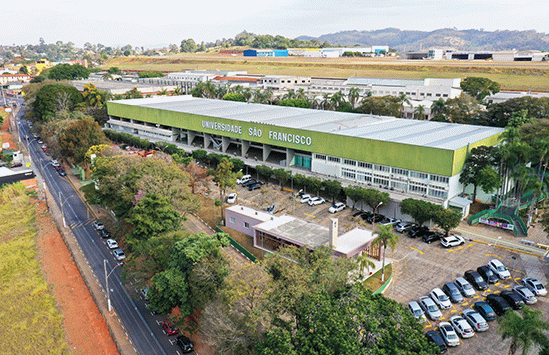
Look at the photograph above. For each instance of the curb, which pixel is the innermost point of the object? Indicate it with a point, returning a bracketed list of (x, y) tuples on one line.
[(384, 287)]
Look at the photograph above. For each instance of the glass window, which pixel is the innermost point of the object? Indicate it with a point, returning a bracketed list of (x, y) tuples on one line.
[(334, 159), (349, 162), (246, 225), (364, 165)]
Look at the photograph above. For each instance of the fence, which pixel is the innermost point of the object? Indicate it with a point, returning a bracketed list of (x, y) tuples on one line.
[(238, 247)]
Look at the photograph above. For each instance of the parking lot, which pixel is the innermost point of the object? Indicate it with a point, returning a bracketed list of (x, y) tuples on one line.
[(418, 267)]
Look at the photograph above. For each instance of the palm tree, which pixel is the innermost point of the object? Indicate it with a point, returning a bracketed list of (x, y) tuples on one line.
[(326, 101), (162, 92), (364, 263), (247, 92), (402, 98), (354, 94), (419, 112), (386, 238), (523, 331), (178, 91), (336, 100), (437, 108), (300, 94), (107, 76)]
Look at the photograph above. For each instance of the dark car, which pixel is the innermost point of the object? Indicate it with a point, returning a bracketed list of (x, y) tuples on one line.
[(476, 280), (255, 186), (62, 172), (358, 213), (436, 338), (487, 274), (485, 310), (431, 237), (249, 183), (185, 344), (452, 292), (104, 233), (418, 232), (513, 298), (498, 304), (16, 165), (365, 215), (375, 219)]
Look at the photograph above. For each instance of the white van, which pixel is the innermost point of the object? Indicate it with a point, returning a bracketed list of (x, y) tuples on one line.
[(243, 179)]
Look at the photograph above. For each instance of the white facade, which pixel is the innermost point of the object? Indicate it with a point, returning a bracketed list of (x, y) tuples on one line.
[(278, 82)]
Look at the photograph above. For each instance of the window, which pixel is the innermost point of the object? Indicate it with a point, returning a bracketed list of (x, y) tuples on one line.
[(364, 165), (398, 185), (349, 162), (444, 95), (438, 193), (437, 95), (438, 178), (382, 168), (348, 174), (418, 175), (400, 171), (364, 177), (429, 94), (418, 188), (246, 225), (320, 156), (231, 220), (334, 159), (381, 180)]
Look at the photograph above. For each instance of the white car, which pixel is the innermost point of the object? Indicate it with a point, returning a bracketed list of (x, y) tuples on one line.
[(340, 206), (243, 179), (461, 326), (305, 198), (98, 226), (54, 163), (389, 221), (499, 269), (112, 244), (464, 287), (316, 201), (535, 286), (448, 334), (440, 298), (452, 241), (119, 254), (231, 198)]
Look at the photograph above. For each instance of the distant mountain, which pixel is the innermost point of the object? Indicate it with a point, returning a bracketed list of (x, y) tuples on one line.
[(446, 38)]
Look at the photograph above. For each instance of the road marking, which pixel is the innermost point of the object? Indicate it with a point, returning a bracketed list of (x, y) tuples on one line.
[(497, 284), (506, 286), (465, 303), (450, 250), (428, 326), (476, 296), (459, 248), (417, 250), (469, 245), (497, 291), (310, 215), (454, 310), (443, 318), (497, 256), (488, 290)]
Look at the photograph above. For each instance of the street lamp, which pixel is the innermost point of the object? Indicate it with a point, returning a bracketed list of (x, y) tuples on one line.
[(62, 211), (109, 307), (375, 210)]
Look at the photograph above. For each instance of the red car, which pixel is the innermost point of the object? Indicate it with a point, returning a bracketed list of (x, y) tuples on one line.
[(169, 327)]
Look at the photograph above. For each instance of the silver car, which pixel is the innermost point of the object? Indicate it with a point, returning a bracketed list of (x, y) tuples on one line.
[(526, 295), (416, 310), (535, 286), (462, 327), (474, 318), (430, 308), (464, 287), (448, 334)]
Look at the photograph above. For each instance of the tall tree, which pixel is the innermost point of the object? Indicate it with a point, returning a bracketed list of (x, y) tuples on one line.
[(479, 88), (524, 331), (225, 178), (386, 238), (332, 188), (83, 133), (473, 171), (421, 211), (446, 219)]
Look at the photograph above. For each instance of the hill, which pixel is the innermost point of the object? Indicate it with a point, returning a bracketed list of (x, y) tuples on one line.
[(446, 38)]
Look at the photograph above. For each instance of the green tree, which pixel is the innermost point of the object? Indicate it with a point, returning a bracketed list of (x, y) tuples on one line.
[(545, 222), (282, 176), (168, 290), (447, 219), (152, 216), (462, 109), (353, 96), (479, 88), (385, 238), (355, 193), (313, 184), (45, 103), (114, 70), (150, 74), (224, 177), (79, 136), (479, 159), (302, 103), (265, 172), (68, 72), (364, 263), (24, 70), (419, 112), (421, 211), (188, 46), (525, 331), (375, 198), (93, 97), (233, 96), (332, 188)]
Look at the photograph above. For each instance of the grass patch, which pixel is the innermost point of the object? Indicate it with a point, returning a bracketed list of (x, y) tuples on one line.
[(374, 282), (29, 321)]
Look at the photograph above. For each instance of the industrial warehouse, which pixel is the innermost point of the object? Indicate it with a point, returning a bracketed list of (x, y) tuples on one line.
[(410, 157)]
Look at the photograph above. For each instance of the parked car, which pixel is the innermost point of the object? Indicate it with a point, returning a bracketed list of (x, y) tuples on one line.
[(464, 287), (498, 304), (169, 327), (448, 334), (144, 292), (417, 231), (270, 209), (339, 206), (104, 233), (249, 182), (512, 298), (16, 164), (403, 227), (389, 221), (462, 327), (54, 162), (112, 244), (452, 241), (535, 286), (375, 218), (185, 344), (40, 141), (430, 308), (476, 280), (416, 310), (255, 186), (305, 198), (62, 172), (451, 290), (474, 318), (436, 338), (316, 201), (431, 237), (98, 226), (365, 215), (499, 269), (243, 179), (487, 274), (527, 296), (440, 298), (232, 197), (119, 254), (485, 310), (59, 167)]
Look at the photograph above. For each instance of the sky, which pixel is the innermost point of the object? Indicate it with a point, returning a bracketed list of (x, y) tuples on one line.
[(158, 23)]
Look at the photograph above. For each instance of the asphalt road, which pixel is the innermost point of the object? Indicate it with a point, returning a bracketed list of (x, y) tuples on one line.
[(141, 325)]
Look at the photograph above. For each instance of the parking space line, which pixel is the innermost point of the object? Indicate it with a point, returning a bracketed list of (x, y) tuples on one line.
[(459, 248), (488, 290), (453, 310), (417, 250), (497, 256), (476, 296), (497, 284), (506, 286), (497, 291), (450, 250), (465, 304), (310, 215)]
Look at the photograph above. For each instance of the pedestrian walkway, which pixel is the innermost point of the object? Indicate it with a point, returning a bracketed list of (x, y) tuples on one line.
[(534, 268)]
